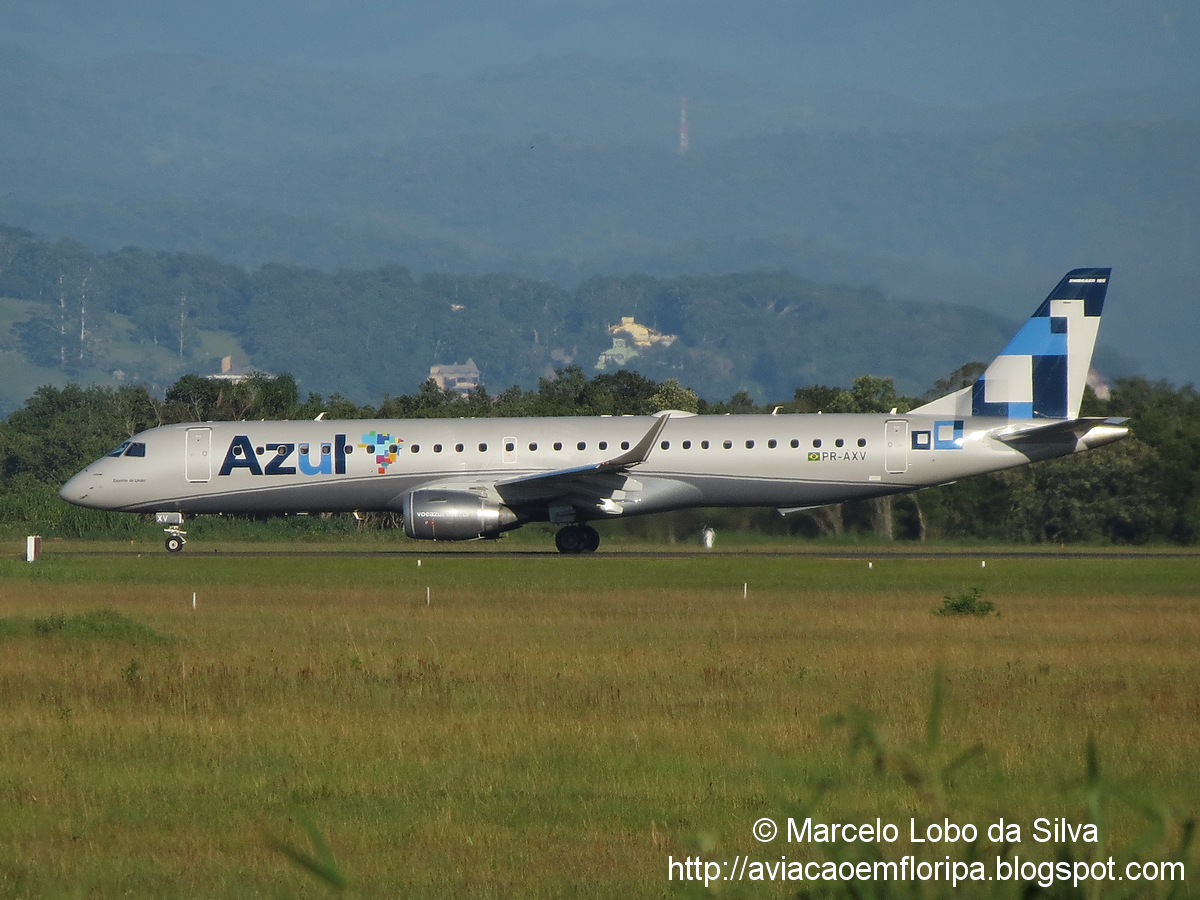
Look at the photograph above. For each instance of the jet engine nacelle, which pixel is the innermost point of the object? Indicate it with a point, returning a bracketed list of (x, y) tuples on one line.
[(434, 515)]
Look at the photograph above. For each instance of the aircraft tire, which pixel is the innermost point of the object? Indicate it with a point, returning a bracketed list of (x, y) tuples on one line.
[(591, 539), (174, 544), (571, 539)]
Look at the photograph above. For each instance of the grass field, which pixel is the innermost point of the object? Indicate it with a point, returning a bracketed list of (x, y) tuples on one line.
[(549, 726)]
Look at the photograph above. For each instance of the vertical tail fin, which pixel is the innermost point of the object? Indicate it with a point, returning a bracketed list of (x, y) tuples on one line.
[(1042, 372)]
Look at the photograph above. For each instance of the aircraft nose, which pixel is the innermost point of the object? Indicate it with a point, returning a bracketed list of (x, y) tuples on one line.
[(79, 489)]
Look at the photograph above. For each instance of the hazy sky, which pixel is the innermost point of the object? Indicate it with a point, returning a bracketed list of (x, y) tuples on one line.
[(937, 50)]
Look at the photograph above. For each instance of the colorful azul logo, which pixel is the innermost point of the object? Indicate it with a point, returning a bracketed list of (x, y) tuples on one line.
[(385, 447)]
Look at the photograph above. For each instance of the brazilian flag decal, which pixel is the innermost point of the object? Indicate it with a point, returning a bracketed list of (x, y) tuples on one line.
[(814, 457)]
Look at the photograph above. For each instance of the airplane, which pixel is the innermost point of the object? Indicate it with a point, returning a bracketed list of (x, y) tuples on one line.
[(467, 479)]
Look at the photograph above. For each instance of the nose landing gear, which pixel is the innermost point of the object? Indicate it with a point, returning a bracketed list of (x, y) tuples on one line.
[(174, 530), (577, 539)]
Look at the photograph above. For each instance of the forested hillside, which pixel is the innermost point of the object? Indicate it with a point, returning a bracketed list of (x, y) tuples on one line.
[(131, 317)]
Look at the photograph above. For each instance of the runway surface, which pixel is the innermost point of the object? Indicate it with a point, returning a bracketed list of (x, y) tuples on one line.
[(800, 553)]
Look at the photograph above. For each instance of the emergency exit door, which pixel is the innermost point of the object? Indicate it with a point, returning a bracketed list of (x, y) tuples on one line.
[(199, 456)]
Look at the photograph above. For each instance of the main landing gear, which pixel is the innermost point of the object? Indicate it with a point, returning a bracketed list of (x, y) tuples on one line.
[(577, 539)]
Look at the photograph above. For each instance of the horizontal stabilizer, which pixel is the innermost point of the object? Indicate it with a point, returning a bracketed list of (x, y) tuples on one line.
[(1074, 427)]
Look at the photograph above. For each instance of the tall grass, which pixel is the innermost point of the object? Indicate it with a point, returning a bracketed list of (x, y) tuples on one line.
[(548, 727)]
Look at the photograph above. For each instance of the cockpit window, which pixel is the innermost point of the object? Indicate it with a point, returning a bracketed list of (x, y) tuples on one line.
[(120, 450), (136, 448)]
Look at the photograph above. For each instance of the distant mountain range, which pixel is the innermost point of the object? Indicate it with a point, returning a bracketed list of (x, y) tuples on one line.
[(564, 169)]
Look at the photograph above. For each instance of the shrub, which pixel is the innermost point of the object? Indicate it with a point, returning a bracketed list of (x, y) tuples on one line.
[(966, 604)]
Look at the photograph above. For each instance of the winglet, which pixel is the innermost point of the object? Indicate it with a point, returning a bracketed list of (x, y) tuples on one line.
[(640, 451), (630, 457)]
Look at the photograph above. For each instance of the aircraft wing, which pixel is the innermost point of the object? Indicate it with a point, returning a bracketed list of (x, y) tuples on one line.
[(581, 485)]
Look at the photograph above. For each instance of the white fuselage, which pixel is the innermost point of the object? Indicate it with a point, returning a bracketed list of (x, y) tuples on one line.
[(368, 465)]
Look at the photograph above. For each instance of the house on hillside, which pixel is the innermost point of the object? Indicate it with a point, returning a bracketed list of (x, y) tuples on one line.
[(639, 335), (462, 378), (230, 372)]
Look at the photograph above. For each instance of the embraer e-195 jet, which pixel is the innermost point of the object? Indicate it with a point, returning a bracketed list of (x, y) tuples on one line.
[(464, 479)]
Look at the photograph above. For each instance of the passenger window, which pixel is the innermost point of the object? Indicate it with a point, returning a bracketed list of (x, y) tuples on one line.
[(326, 449), (349, 449), (120, 449), (558, 445), (581, 446), (749, 445), (458, 448), (624, 445), (437, 448), (817, 443), (839, 443), (603, 445), (416, 448), (704, 445), (772, 443), (304, 449), (510, 447), (862, 442), (259, 450), (666, 445), (795, 443), (237, 450), (370, 448), (728, 445), (483, 448), (533, 446), (136, 449), (281, 450), (687, 445)]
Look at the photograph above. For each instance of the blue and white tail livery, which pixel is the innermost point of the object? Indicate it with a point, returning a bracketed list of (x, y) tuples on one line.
[(1042, 372)]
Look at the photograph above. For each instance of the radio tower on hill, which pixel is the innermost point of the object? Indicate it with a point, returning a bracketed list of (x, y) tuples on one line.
[(683, 142)]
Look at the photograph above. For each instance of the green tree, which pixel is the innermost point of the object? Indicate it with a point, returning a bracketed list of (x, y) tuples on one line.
[(59, 431), (672, 395)]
